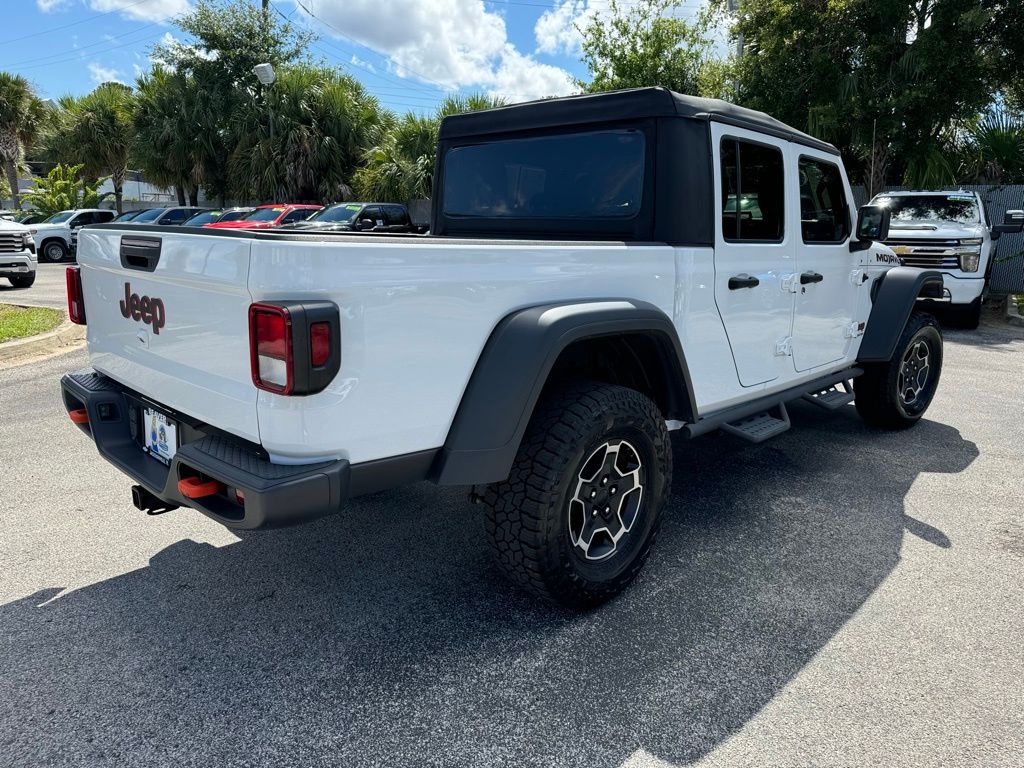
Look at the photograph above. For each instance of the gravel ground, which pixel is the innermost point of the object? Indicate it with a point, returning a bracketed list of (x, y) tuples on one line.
[(834, 597)]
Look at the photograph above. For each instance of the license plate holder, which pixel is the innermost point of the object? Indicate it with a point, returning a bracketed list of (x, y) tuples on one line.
[(160, 435)]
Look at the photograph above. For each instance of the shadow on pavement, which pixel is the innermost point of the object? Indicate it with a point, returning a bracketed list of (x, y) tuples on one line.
[(384, 637)]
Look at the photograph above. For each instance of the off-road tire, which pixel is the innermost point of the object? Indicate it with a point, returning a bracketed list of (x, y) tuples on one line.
[(877, 390), (51, 248), (528, 515), (23, 281)]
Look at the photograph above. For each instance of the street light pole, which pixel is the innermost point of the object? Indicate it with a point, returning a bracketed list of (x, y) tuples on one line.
[(266, 75)]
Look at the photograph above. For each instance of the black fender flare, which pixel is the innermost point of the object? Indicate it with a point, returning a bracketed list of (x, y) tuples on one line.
[(513, 368), (895, 294)]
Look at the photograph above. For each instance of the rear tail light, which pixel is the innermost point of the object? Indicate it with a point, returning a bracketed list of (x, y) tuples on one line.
[(76, 305), (270, 340), (294, 346)]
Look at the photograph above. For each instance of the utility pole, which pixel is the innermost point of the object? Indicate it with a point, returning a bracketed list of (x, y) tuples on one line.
[(733, 7)]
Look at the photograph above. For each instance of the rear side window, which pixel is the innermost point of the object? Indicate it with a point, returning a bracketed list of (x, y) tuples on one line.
[(823, 211), (101, 217), (753, 192), (571, 176), (394, 215)]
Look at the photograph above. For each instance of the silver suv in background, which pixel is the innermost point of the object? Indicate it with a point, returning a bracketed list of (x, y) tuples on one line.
[(947, 230)]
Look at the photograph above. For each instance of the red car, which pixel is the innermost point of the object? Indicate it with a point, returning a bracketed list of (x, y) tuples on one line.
[(268, 216)]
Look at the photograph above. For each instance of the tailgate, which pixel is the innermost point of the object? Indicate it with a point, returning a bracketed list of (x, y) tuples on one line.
[(167, 315)]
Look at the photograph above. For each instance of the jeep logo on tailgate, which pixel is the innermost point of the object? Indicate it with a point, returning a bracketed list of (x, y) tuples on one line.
[(150, 310)]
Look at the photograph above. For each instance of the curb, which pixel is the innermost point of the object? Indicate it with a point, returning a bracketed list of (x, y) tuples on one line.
[(1013, 315), (66, 335)]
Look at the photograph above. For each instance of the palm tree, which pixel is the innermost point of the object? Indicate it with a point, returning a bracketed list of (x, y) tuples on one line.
[(399, 167), (322, 124), (166, 128), (97, 132), (21, 114), (994, 150), (63, 189)]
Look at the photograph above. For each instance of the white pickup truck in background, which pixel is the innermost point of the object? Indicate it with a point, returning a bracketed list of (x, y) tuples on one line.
[(947, 230), (601, 270), (17, 254)]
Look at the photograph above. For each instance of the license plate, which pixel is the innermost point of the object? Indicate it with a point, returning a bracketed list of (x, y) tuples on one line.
[(161, 435)]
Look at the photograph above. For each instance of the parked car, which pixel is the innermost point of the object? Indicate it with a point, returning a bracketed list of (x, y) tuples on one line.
[(31, 217), (269, 216), (53, 235), (358, 217), (948, 230), (17, 254), (578, 298), (236, 213), (129, 215), (169, 216), (203, 217)]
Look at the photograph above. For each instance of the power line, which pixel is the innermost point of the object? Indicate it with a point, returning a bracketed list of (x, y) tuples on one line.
[(81, 48), (74, 23), (78, 58)]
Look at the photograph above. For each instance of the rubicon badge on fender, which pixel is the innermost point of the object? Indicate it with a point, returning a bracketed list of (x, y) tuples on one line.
[(150, 310)]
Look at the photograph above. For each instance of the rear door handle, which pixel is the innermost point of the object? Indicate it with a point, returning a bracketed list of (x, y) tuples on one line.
[(811, 277), (743, 281)]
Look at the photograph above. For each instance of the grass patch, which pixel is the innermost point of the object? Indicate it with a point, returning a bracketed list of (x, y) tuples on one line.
[(19, 322)]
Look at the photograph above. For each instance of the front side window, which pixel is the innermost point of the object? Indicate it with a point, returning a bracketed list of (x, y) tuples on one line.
[(753, 192), (823, 212), (571, 176), (177, 215)]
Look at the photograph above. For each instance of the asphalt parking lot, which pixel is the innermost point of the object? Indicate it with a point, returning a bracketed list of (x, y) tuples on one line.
[(834, 597), (49, 289)]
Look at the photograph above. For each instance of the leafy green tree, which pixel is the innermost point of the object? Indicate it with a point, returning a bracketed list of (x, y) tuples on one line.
[(96, 131), (645, 43), (322, 121), (227, 39), (399, 166), (883, 79), (64, 189), (21, 114)]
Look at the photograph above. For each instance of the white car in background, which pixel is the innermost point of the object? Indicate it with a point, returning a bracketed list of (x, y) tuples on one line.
[(950, 231), (52, 237), (17, 254)]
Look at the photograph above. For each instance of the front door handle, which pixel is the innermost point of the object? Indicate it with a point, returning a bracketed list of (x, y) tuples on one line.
[(743, 281), (811, 277)]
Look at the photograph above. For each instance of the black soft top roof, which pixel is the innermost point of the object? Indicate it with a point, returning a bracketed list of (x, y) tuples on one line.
[(633, 103)]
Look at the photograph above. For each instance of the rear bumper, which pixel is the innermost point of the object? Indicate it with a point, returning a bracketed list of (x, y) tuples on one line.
[(274, 494)]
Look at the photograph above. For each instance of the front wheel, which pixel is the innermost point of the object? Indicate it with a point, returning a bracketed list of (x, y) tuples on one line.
[(895, 394), (23, 281), (578, 515)]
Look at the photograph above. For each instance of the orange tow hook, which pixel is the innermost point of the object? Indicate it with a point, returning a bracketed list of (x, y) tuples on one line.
[(79, 416), (193, 488)]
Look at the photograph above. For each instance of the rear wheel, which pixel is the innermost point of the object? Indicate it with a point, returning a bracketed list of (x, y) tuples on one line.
[(576, 519), (895, 394), (22, 281), (54, 251)]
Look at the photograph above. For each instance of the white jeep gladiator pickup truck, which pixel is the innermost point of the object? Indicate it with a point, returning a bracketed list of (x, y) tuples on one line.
[(601, 270), (949, 231)]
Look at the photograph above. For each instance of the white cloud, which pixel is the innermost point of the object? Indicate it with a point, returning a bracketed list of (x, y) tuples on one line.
[(147, 10), (101, 74), (452, 43), (46, 6), (557, 30)]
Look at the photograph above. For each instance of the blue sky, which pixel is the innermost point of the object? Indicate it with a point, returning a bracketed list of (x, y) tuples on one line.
[(410, 53)]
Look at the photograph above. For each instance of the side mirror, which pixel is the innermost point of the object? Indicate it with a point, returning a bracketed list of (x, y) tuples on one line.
[(1013, 223), (872, 226)]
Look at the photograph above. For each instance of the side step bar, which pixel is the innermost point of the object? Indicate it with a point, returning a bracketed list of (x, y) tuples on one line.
[(763, 426), (738, 413), (832, 398)]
